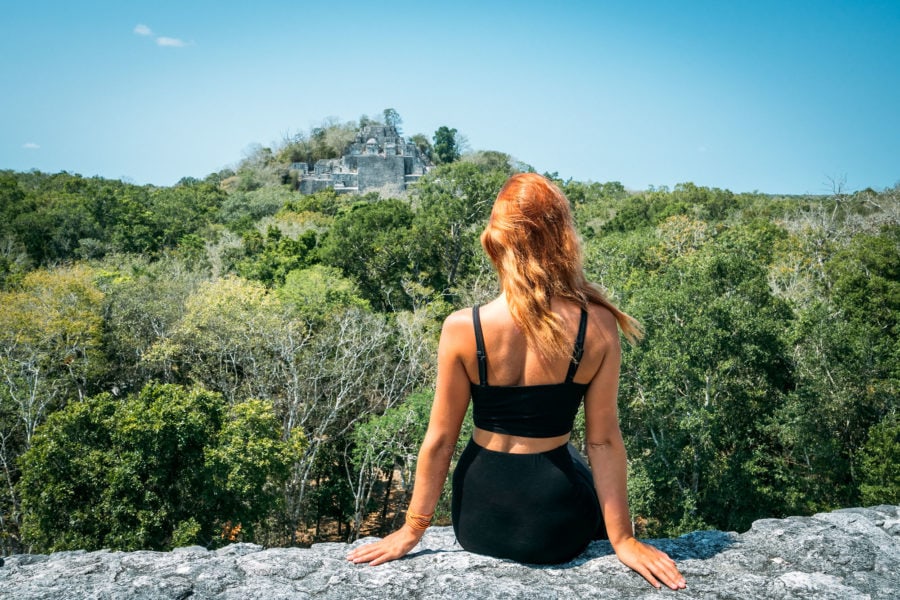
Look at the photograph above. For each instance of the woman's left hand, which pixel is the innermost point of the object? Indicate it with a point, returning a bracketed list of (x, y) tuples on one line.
[(394, 546)]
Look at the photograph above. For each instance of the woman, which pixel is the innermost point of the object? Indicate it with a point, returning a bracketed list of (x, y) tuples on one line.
[(526, 360)]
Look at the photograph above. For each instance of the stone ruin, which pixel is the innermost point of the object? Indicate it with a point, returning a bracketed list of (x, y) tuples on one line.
[(378, 160)]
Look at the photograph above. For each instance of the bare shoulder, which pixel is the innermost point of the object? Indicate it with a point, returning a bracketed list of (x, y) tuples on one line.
[(603, 325), (457, 321), (458, 329)]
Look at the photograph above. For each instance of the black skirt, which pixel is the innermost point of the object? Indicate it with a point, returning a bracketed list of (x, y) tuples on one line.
[(533, 508)]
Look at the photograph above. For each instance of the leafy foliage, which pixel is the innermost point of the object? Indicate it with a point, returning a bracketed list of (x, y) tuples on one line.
[(370, 244), (163, 466), (50, 341), (701, 387), (271, 257), (320, 292), (63, 217), (454, 202), (446, 146), (879, 458), (50, 354), (278, 347)]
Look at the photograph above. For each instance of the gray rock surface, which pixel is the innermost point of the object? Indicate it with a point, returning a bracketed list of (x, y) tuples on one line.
[(847, 554)]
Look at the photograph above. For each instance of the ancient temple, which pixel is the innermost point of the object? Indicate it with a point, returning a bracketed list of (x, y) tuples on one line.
[(378, 160)]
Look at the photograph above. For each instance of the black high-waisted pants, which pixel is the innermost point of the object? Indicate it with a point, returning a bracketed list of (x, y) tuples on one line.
[(532, 508)]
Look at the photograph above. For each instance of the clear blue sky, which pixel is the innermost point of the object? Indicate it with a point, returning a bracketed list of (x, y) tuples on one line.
[(779, 97)]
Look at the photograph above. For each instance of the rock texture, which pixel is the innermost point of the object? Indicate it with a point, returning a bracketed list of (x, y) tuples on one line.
[(846, 554)]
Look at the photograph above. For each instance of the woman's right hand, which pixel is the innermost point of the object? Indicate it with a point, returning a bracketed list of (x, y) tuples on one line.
[(653, 565), (394, 546)]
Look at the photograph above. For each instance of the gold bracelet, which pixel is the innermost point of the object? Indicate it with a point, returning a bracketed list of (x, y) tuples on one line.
[(418, 522)]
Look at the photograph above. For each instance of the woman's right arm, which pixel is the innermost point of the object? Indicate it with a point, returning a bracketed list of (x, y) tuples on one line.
[(451, 399)]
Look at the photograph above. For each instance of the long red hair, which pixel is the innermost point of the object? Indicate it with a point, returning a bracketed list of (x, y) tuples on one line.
[(532, 241)]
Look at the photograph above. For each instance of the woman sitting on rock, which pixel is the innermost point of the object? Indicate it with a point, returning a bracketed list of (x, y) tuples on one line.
[(527, 360)]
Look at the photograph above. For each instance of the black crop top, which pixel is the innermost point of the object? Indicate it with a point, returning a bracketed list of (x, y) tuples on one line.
[(537, 411)]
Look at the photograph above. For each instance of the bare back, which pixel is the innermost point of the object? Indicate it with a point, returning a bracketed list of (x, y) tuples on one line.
[(513, 363)]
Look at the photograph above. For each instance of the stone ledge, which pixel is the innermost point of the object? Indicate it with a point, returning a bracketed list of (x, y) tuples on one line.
[(846, 554)]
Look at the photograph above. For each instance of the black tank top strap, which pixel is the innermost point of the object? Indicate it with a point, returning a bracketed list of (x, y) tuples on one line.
[(578, 350), (479, 346)]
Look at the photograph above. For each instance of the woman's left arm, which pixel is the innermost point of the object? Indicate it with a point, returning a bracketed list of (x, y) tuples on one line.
[(606, 451), (451, 399)]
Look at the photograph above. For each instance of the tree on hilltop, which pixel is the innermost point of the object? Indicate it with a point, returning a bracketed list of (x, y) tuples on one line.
[(392, 119), (446, 145)]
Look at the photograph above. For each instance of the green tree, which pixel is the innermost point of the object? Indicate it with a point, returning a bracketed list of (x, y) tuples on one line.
[(491, 160), (144, 301), (699, 392), (241, 210), (865, 280), (326, 202), (454, 203), (252, 462), (234, 339), (446, 145), (424, 145), (320, 292), (52, 231), (383, 445), (61, 217), (392, 118), (13, 202), (181, 210), (327, 140), (50, 342), (271, 257), (50, 354), (14, 262), (156, 467), (846, 352), (370, 244), (646, 210), (878, 460)]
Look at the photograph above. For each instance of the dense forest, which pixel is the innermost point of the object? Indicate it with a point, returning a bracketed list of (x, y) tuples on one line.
[(226, 359)]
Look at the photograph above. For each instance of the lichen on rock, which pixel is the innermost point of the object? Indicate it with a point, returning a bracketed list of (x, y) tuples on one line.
[(846, 554)]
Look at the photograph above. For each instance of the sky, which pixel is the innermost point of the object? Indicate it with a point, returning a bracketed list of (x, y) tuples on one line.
[(792, 97)]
